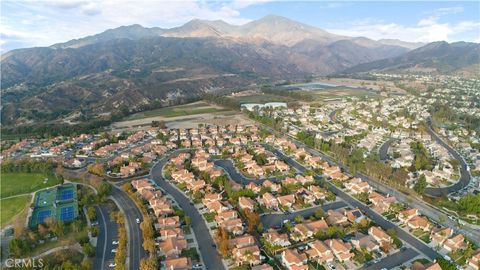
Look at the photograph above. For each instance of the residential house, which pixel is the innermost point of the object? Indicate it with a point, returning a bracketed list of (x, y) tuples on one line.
[(181, 263), (277, 239), (419, 222), (474, 262), (407, 214), (269, 200), (336, 217), (246, 203), (172, 247), (454, 243), (293, 260), (380, 235), (242, 241), (168, 222), (305, 230), (367, 242), (249, 255), (172, 233), (320, 252), (354, 215), (286, 200), (340, 249), (440, 235)]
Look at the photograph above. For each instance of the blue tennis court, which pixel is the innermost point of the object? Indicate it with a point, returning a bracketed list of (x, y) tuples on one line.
[(42, 215), (66, 194), (67, 213)]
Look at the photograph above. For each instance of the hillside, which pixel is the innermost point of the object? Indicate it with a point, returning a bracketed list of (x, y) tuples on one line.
[(436, 57), (131, 68)]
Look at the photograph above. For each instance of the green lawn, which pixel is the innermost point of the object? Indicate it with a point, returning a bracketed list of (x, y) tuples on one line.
[(182, 110), (10, 208), (21, 183)]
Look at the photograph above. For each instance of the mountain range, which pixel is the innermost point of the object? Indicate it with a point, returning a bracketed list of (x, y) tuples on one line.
[(133, 68)]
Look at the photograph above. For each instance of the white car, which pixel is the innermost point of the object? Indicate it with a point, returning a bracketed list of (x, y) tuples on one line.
[(114, 250), (197, 266), (137, 220), (112, 264), (114, 242)]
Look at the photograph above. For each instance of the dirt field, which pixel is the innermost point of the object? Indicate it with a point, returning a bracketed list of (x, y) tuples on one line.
[(218, 117)]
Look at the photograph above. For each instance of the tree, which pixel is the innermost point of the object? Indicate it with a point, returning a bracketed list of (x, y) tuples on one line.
[(97, 169), (223, 241), (149, 263), (420, 185), (88, 249), (188, 220), (319, 213), (91, 213), (253, 220)]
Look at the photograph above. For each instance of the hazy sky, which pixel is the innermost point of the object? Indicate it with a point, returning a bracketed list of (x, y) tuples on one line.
[(28, 23)]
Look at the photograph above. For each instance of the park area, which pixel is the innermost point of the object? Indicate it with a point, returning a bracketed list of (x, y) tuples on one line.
[(13, 207), (20, 183), (15, 191)]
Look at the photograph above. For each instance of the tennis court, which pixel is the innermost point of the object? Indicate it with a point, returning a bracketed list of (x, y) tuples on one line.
[(67, 212), (66, 193), (46, 197), (59, 203)]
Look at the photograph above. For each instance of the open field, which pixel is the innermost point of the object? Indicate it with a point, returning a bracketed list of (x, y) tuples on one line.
[(336, 93), (373, 85), (13, 207), (182, 110), (261, 98), (19, 183), (183, 116)]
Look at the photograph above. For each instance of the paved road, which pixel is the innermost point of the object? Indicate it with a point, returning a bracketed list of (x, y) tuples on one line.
[(377, 218), (332, 114), (440, 217), (108, 231), (464, 173), (210, 254), (393, 260), (383, 150), (270, 220), (227, 166), (135, 238)]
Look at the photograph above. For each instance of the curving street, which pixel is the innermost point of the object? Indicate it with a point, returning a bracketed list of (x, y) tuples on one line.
[(134, 235), (383, 150), (207, 246), (464, 173)]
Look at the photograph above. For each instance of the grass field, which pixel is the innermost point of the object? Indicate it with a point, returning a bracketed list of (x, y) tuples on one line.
[(20, 183), (261, 98), (10, 208), (182, 110)]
